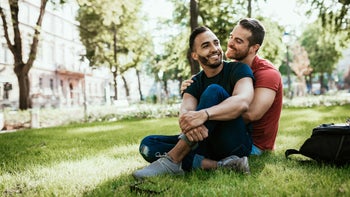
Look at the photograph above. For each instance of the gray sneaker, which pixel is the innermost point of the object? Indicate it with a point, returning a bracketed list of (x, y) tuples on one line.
[(236, 163), (163, 165)]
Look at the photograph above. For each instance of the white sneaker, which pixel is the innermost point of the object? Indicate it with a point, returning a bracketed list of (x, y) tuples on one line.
[(236, 163), (163, 165)]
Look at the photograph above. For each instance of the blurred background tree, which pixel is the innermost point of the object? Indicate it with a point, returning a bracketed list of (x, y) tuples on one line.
[(324, 51), (112, 33), (22, 65), (173, 61)]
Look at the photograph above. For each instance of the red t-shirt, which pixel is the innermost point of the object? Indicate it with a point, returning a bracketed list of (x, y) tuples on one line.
[(265, 130)]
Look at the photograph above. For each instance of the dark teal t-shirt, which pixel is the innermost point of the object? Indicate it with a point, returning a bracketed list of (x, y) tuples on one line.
[(227, 78)]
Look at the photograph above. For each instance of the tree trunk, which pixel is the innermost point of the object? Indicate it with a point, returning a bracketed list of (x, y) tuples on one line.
[(115, 85), (249, 15), (115, 62), (322, 86), (24, 89), (20, 68), (194, 12), (180, 79), (139, 84), (165, 88), (127, 91), (193, 23)]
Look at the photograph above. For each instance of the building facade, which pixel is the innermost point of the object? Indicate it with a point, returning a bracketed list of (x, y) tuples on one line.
[(60, 76)]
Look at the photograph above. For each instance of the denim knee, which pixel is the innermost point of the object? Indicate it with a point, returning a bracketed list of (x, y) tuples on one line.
[(144, 151), (213, 95)]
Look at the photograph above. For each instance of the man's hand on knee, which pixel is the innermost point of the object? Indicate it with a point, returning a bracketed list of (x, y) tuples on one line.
[(192, 119), (197, 134)]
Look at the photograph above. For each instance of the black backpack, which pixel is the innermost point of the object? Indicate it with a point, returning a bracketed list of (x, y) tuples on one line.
[(329, 143)]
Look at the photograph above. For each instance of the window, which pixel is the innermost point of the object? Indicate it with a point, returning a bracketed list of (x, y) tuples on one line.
[(51, 84), (41, 83), (3, 53)]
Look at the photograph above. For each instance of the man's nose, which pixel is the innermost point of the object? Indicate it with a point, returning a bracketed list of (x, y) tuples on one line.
[(230, 42), (214, 47)]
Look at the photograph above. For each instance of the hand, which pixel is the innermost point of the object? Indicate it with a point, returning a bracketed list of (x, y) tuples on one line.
[(191, 119), (185, 84), (197, 134)]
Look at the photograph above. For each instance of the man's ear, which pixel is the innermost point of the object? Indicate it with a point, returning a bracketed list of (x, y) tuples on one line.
[(256, 48), (194, 56)]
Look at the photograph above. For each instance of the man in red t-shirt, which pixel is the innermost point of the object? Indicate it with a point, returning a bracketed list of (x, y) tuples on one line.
[(264, 111)]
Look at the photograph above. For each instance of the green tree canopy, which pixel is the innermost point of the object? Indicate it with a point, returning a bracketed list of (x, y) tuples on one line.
[(335, 15), (221, 18), (323, 48), (112, 34)]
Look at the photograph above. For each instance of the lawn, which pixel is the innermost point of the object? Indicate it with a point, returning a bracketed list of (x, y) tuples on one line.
[(97, 159)]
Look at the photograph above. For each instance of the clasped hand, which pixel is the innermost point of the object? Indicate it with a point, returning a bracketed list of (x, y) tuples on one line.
[(191, 124)]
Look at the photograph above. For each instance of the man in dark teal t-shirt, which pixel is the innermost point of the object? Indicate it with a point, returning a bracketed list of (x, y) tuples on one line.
[(227, 78), (213, 133)]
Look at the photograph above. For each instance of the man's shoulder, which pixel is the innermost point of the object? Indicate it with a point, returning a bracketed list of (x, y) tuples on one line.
[(234, 63), (267, 72), (235, 66), (198, 75), (259, 62)]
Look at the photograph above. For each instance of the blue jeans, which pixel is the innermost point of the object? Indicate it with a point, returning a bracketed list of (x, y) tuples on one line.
[(225, 137)]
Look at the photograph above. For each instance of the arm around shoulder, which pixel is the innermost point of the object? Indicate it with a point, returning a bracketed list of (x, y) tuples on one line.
[(236, 104), (263, 100)]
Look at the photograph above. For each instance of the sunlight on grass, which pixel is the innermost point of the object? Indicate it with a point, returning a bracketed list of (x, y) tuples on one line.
[(293, 129), (288, 142), (95, 129), (72, 178), (309, 115), (97, 159)]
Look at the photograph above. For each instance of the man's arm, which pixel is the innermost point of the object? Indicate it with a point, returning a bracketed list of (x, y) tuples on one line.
[(229, 109), (263, 99), (189, 103), (235, 105), (185, 84)]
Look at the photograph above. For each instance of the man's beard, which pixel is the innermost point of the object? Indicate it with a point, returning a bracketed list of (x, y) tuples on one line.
[(205, 61), (239, 56)]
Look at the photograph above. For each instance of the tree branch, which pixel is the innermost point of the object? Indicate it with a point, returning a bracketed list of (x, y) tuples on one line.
[(4, 24), (34, 46)]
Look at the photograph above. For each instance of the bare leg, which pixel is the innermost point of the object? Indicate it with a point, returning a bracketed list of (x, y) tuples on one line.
[(208, 164), (180, 150), (169, 163)]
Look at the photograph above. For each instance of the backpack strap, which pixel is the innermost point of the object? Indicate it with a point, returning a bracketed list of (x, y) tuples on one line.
[(291, 152)]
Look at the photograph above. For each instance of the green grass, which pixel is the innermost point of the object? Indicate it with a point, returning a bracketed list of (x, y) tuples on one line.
[(97, 159)]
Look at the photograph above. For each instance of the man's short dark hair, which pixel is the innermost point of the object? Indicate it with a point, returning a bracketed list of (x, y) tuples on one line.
[(257, 29), (195, 33)]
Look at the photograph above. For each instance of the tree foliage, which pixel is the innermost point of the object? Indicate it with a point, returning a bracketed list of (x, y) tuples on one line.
[(272, 45), (221, 16), (323, 48), (335, 15), (111, 33)]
